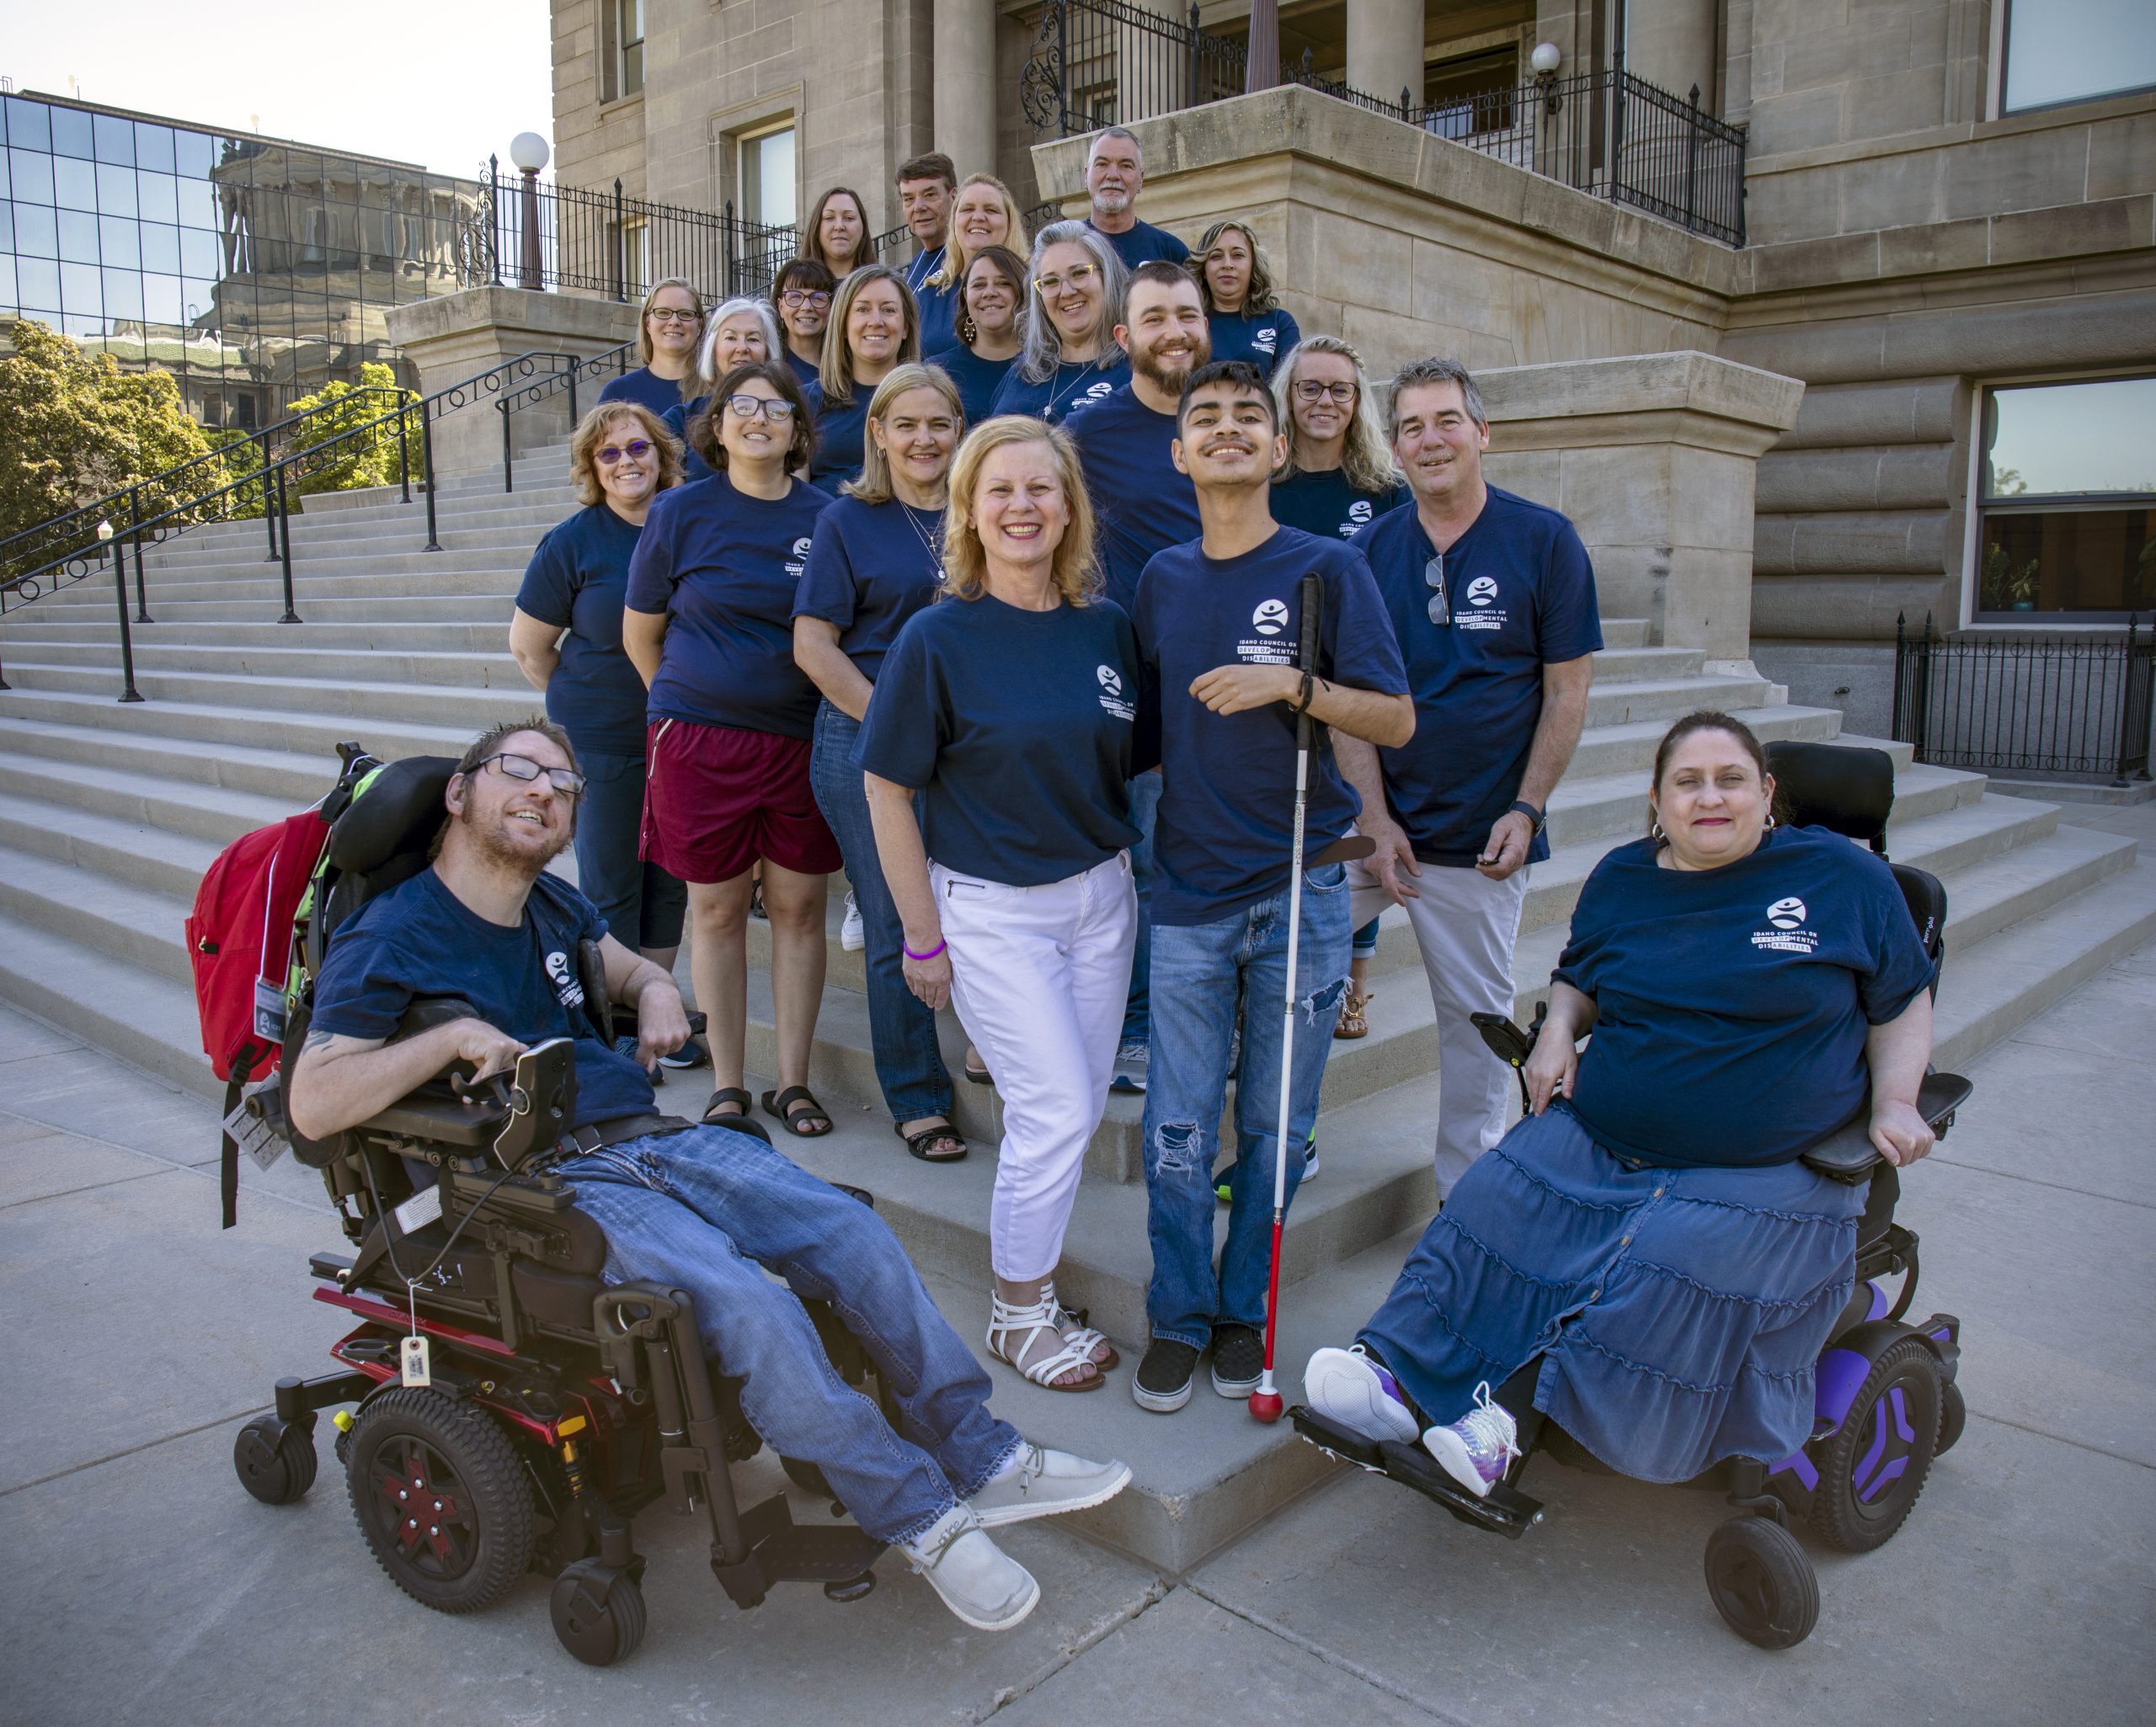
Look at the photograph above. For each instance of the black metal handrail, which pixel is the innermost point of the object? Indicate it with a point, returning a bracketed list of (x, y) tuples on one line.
[(2014, 703), (33, 548), (1606, 132), (615, 360), (276, 483)]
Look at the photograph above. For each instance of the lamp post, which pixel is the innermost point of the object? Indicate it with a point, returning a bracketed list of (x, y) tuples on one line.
[(528, 151)]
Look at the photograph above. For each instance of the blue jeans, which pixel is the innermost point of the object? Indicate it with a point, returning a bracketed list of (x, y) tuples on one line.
[(1144, 810), (901, 1029), (1203, 974), (643, 906), (706, 1211)]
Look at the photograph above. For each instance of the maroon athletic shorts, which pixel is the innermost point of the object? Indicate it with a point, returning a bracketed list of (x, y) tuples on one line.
[(718, 798)]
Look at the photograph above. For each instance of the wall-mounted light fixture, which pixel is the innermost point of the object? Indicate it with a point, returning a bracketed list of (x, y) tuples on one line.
[(1545, 59)]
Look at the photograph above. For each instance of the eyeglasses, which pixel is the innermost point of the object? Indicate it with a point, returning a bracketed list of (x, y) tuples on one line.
[(636, 449), (795, 298), (1316, 390), (566, 780), (775, 409), (1076, 277), (668, 315), (1433, 573)]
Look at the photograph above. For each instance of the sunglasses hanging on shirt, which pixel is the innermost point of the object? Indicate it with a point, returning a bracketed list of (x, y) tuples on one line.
[(1433, 573)]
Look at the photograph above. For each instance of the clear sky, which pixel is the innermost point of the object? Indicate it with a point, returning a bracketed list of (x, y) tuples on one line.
[(440, 82)]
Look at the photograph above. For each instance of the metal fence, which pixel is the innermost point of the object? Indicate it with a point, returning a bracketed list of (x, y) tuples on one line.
[(2076, 706), (1607, 132)]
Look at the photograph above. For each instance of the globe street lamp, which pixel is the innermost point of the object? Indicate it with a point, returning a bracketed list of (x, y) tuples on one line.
[(528, 151)]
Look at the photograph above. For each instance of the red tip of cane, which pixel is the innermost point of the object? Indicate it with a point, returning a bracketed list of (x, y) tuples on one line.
[(1266, 1405)]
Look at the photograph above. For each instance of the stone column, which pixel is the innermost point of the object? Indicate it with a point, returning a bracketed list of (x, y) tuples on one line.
[(1385, 48), (965, 112), (1672, 43), (462, 336), (1653, 457)]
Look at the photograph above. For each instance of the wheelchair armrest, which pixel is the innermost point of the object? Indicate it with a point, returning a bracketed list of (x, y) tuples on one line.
[(1848, 1153)]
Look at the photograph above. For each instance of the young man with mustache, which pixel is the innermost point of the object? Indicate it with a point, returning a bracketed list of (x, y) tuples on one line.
[(1219, 621), (1142, 504)]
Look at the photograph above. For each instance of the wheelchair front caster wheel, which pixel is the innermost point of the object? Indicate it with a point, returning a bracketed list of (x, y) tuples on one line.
[(1953, 1417), (598, 1613), (1761, 1582), (275, 1463)]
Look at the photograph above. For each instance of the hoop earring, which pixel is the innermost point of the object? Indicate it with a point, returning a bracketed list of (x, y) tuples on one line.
[(1656, 834), (1770, 822)]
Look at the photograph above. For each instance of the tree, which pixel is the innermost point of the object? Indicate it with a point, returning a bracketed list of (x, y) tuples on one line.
[(76, 427), (351, 449)]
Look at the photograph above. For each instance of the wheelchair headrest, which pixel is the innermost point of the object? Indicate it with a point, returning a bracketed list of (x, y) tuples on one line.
[(399, 812), (1845, 787)]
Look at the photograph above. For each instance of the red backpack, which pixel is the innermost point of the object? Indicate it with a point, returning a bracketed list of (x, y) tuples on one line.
[(239, 936)]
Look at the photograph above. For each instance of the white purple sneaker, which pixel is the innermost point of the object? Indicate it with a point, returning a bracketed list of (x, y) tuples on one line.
[(1479, 1446), (1352, 1391)]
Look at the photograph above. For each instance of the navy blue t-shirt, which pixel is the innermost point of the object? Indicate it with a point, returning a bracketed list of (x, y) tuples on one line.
[(805, 369), (841, 429), (1142, 243), (1143, 503), (1262, 337), (871, 566), (978, 380), (647, 388), (724, 567), (1228, 791), (1523, 597), (1326, 504), (677, 419), (420, 939), (1016, 726), (577, 580), (938, 307), (1064, 388), (1732, 1004)]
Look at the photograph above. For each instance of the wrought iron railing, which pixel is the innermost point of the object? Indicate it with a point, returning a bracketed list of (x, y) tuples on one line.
[(154, 511), (544, 235), (2077, 705), (1606, 132)]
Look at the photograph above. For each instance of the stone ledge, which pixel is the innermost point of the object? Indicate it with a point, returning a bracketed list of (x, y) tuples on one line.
[(1712, 402)]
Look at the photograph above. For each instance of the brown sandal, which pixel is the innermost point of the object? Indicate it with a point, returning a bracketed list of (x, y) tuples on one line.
[(1353, 1022)]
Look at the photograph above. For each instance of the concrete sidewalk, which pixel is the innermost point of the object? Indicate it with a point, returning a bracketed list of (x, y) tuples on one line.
[(142, 1584)]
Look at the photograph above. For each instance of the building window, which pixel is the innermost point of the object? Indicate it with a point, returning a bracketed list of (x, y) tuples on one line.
[(636, 258), (767, 192), (2067, 512), (2075, 51), (1472, 93), (620, 54)]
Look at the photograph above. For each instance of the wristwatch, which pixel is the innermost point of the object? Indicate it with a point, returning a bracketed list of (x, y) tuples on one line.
[(1540, 818)]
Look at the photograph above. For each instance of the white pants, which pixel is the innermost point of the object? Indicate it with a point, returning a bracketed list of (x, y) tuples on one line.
[(1465, 926), (1039, 977)]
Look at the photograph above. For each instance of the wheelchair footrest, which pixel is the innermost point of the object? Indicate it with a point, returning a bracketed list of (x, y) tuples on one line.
[(783, 1551), (1507, 1511)]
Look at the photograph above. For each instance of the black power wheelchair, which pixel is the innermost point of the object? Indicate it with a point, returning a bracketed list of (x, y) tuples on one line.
[(1886, 1404), (558, 1406)]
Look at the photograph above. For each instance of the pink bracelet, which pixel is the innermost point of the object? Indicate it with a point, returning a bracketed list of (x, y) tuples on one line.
[(930, 954)]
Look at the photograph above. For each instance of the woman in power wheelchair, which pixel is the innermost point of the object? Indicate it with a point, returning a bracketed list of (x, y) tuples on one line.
[(549, 1271), (1649, 1266)]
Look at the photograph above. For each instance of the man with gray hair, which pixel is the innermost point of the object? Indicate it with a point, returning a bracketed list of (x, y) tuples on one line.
[(1115, 170), (1492, 601)]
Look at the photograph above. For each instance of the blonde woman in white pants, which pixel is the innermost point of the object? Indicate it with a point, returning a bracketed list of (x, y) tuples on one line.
[(1008, 707)]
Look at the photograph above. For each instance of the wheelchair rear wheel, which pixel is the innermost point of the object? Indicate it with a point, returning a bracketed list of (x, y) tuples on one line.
[(1762, 1583), (441, 1497), (1872, 1469)]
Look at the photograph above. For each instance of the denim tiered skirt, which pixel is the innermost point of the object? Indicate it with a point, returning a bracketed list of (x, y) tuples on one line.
[(1678, 1313)]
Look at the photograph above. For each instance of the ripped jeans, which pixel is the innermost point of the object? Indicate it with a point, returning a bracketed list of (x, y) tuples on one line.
[(1202, 975)]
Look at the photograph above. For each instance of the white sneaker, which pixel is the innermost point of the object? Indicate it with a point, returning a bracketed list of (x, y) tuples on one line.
[(1352, 1391), (1040, 1483), (979, 1581), (1131, 1060), (852, 937), (1479, 1446)]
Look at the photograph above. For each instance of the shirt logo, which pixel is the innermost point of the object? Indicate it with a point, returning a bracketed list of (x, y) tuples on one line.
[(564, 980), (1481, 591), (801, 546), (1265, 340), (1270, 617), (1111, 699), (1788, 934), (796, 564), (1359, 511)]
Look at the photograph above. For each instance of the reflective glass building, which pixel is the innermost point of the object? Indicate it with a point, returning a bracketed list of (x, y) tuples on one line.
[(254, 269)]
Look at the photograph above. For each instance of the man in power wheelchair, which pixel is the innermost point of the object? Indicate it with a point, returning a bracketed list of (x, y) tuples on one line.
[(543, 1396), (1667, 1268)]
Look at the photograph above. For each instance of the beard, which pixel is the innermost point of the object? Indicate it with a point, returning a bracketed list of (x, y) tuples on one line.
[(1150, 368), (1112, 203), (492, 845)]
